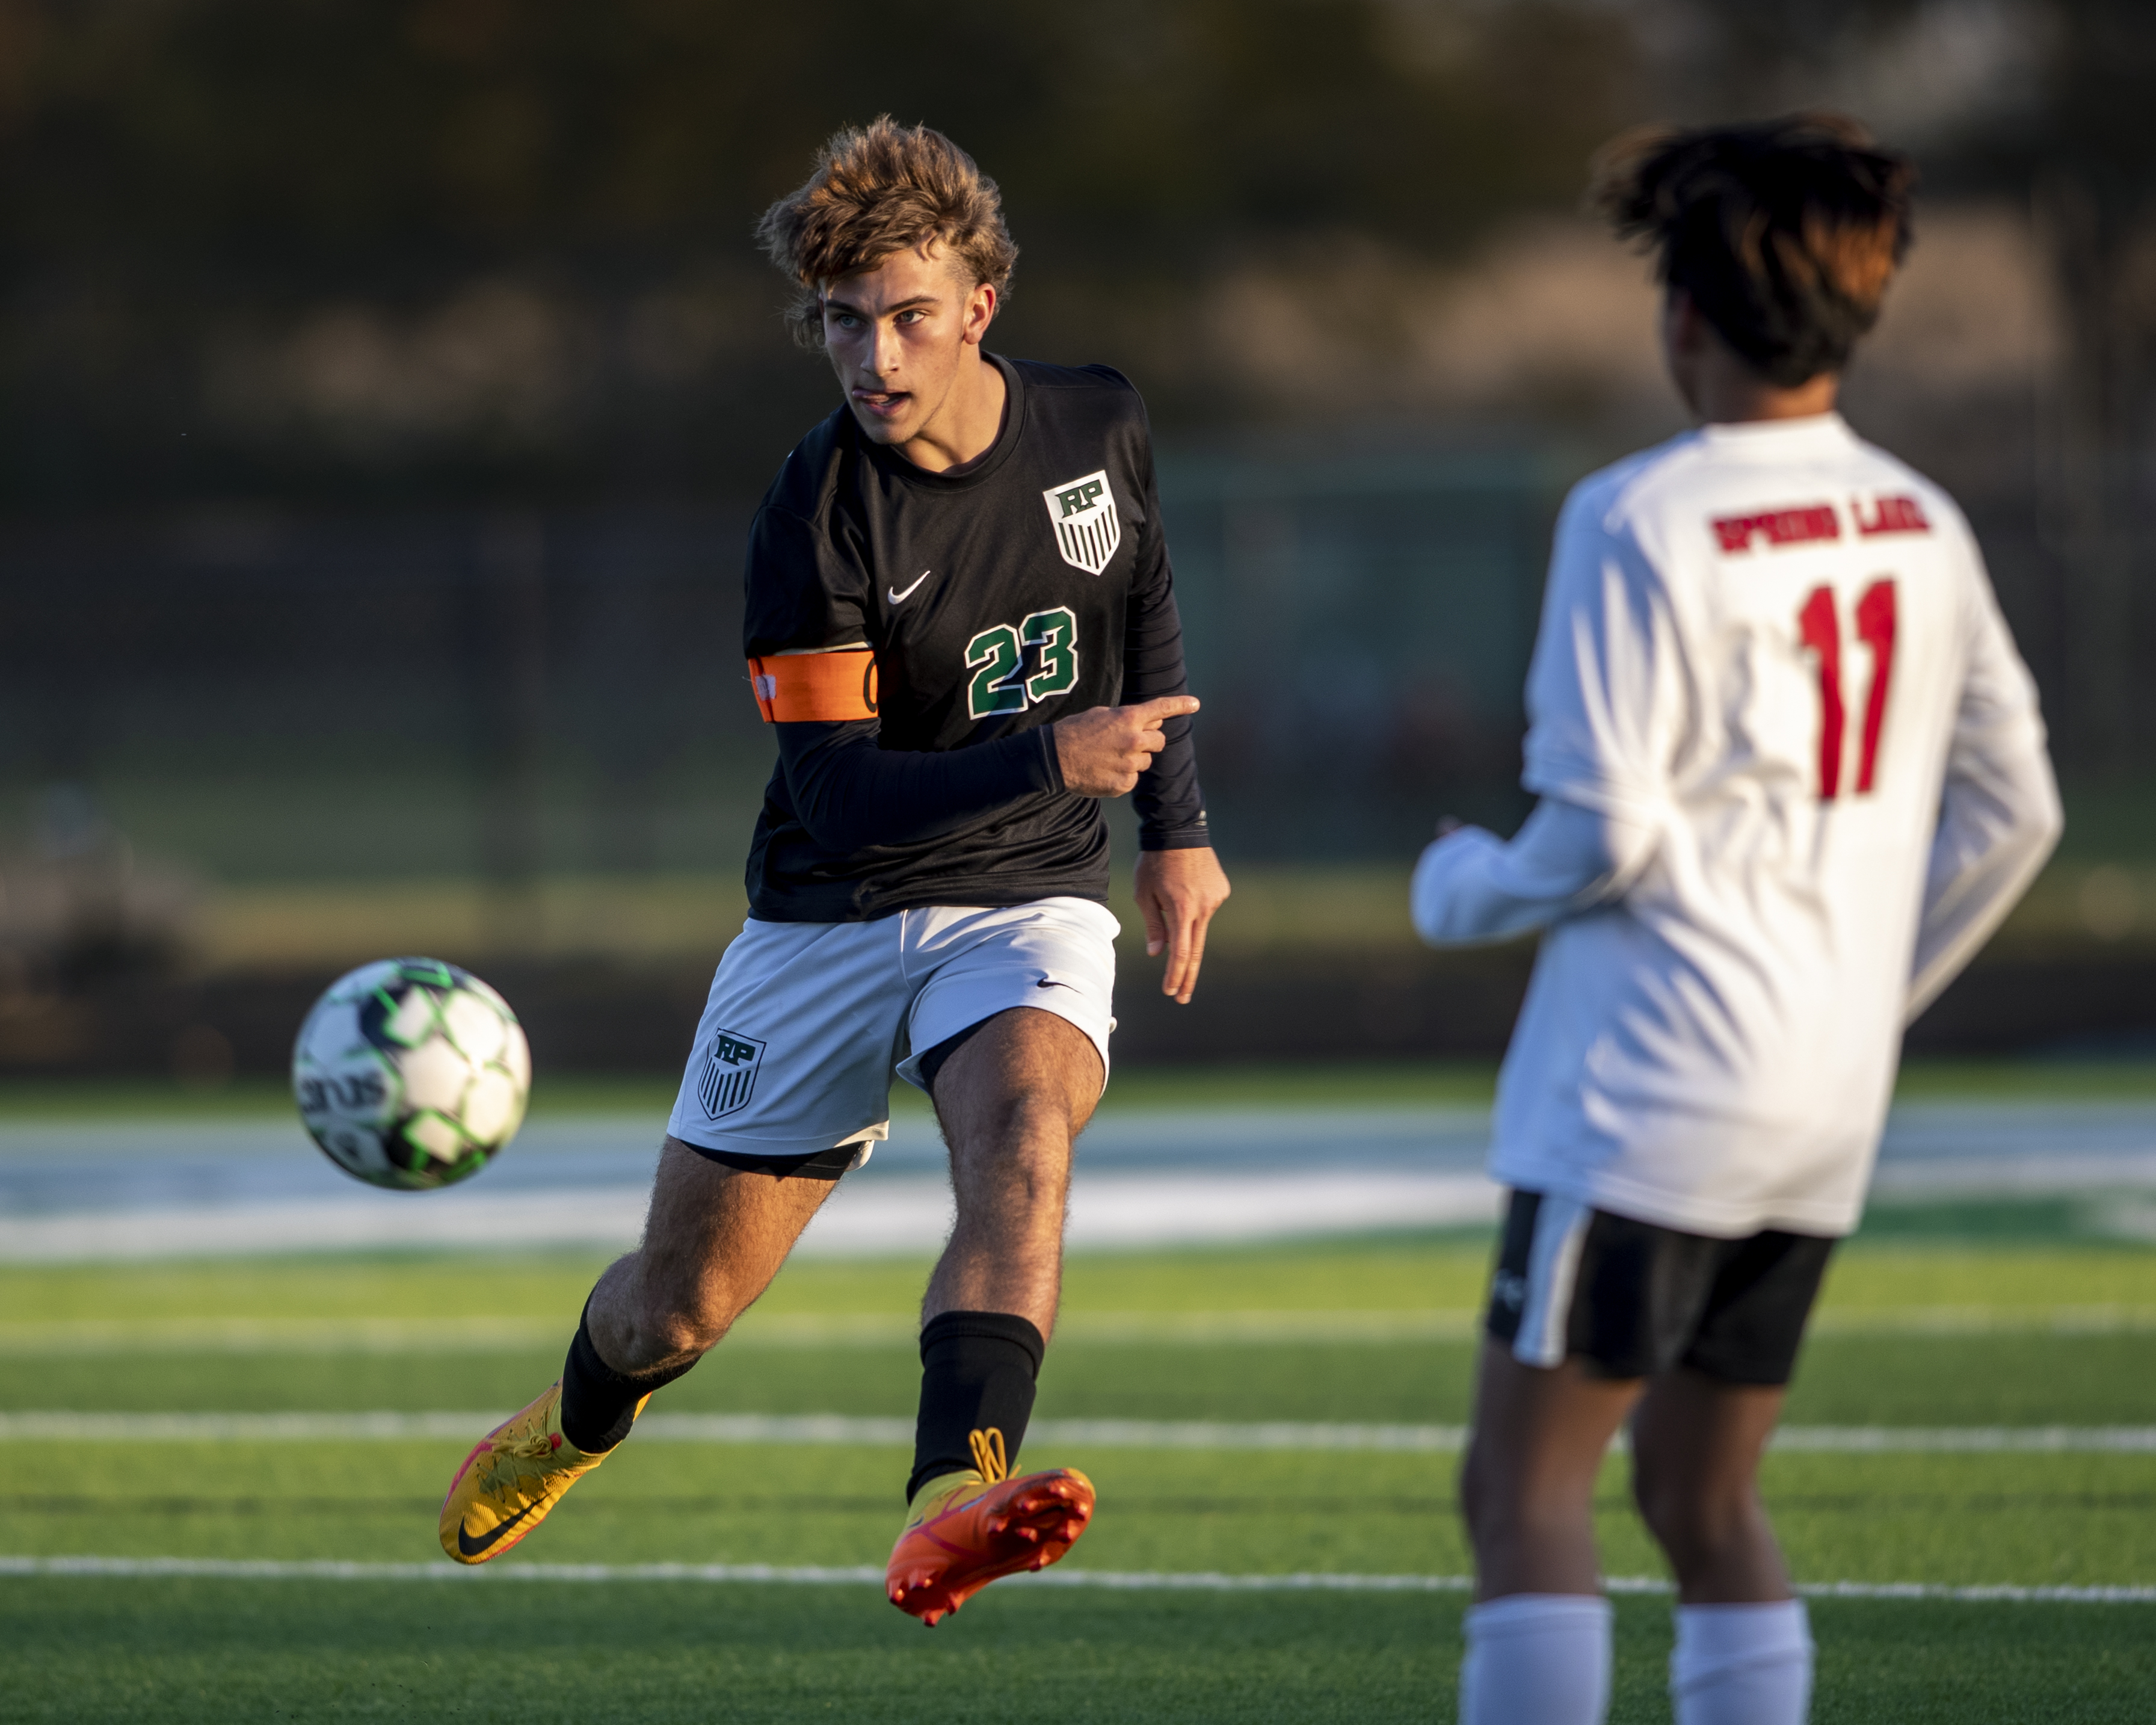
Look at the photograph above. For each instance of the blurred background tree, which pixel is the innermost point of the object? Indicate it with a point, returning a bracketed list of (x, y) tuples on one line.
[(346, 250), (383, 388)]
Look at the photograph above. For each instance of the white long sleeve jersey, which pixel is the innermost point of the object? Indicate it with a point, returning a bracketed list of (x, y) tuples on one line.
[(1793, 774)]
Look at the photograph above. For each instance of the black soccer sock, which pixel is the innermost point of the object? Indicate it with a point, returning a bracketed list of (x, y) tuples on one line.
[(598, 1403), (977, 1376)]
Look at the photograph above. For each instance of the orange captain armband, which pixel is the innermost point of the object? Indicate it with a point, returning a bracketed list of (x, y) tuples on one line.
[(833, 684)]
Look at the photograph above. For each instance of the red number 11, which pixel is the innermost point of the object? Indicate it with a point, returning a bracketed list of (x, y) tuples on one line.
[(1819, 625)]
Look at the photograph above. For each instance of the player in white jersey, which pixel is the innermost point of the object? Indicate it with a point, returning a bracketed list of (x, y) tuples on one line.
[(1792, 774)]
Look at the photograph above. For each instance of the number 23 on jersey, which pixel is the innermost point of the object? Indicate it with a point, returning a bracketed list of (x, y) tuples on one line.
[(997, 657), (1819, 628)]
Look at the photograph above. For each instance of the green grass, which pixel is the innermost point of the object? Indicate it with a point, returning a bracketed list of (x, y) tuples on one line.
[(1964, 1520), (177, 1652), (184, 1651), (1957, 1380), (333, 1333), (1964, 1314), (1922, 1330)]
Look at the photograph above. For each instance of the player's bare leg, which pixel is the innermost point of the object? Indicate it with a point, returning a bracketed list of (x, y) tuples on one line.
[(1539, 1635), (713, 1239), (1696, 1442), (1743, 1649), (1012, 1100), (1526, 1489)]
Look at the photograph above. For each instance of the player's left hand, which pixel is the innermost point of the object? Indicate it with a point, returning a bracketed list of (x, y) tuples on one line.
[(1178, 893)]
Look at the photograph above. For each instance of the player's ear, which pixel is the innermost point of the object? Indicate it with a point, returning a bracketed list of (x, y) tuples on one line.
[(980, 311)]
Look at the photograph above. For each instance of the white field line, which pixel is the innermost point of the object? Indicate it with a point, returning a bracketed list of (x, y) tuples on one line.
[(1970, 1439), (875, 1217), (712, 1429), (821, 1429), (2103, 1320), (1120, 1580), (815, 1330), (805, 1331)]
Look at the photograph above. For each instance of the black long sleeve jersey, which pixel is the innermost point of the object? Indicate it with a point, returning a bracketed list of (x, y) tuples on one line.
[(912, 635)]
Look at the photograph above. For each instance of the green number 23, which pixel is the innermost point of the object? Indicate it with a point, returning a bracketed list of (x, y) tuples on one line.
[(999, 683)]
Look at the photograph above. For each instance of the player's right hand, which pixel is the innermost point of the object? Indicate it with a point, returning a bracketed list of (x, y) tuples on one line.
[(1103, 750)]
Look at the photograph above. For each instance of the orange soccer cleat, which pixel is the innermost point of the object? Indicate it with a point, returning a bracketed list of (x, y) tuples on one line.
[(965, 1530)]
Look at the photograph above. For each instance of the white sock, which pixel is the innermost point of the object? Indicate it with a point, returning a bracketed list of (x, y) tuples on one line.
[(1536, 1658), (1742, 1665)]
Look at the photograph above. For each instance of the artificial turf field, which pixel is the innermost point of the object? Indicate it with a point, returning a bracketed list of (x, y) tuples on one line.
[(1975, 1317)]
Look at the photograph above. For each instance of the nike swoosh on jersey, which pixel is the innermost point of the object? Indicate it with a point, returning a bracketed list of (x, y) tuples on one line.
[(897, 596), (472, 1548)]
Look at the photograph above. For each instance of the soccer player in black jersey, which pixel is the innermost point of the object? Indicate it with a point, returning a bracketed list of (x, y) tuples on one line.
[(962, 627)]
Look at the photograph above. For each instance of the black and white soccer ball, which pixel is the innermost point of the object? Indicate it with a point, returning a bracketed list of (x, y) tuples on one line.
[(411, 1074)]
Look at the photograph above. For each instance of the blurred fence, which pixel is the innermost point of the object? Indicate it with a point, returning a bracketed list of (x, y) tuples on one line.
[(274, 697), (1358, 630), (240, 752)]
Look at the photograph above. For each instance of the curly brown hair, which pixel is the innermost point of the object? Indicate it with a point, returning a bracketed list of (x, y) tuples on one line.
[(877, 189), (1783, 234)]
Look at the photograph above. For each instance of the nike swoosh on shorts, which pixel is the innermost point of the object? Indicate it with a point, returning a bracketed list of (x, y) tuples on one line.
[(897, 596)]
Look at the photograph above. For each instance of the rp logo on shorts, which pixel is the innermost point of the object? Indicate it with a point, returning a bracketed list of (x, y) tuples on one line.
[(730, 1071)]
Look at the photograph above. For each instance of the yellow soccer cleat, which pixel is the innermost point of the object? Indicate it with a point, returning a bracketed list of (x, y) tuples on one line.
[(965, 1530), (517, 1472)]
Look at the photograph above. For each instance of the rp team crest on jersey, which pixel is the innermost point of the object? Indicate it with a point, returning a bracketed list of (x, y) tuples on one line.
[(730, 1070), (1083, 511)]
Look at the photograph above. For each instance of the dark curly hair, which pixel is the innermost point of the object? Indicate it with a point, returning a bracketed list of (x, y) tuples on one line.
[(877, 189), (1784, 234)]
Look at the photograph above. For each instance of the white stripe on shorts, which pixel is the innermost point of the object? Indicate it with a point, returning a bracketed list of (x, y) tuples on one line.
[(1553, 1265)]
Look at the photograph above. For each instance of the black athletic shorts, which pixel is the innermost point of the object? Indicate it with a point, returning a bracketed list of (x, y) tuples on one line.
[(1632, 1299), (816, 1165)]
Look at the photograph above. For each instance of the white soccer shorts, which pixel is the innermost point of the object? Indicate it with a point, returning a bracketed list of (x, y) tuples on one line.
[(807, 1021)]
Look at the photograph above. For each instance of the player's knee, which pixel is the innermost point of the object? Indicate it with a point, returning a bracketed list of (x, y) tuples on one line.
[(668, 1335), (680, 1317), (1503, 1527), (1020, 1148), (1496, 1504), (1662, 1498), (1019, 1181), (1034, 1124), (695, 1332), (1690, 1516)]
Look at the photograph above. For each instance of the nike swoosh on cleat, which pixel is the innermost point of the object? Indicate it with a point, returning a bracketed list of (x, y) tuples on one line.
[(472, 1548), (898, 598)]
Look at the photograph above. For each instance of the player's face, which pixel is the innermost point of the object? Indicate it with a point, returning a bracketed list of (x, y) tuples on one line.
[(897, 336)]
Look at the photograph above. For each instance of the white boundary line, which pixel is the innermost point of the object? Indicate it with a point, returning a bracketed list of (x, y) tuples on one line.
[(826, 1429), (1969, 1440), (1122, 1580)]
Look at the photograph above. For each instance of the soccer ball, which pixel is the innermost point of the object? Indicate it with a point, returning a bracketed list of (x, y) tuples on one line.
[(410, 1073)]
